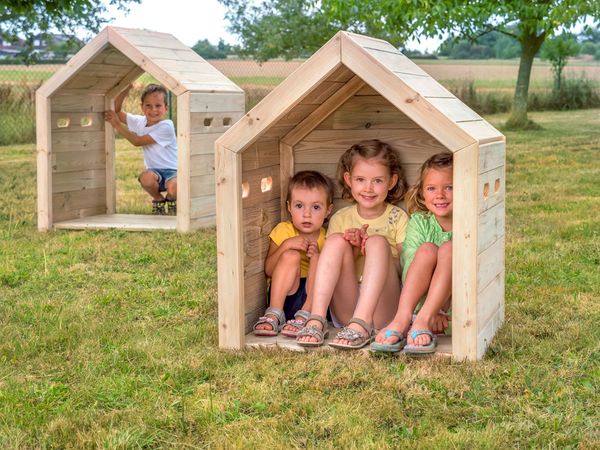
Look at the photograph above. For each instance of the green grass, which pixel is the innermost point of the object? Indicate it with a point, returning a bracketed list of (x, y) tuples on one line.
[(109, 339)]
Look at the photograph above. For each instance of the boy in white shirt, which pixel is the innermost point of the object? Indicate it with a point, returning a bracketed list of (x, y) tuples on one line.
[(156, 136)]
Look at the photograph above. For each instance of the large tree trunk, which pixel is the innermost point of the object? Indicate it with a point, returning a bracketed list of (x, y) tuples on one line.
[(530, 44)]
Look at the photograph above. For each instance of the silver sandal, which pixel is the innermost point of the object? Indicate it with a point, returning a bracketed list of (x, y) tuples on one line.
[(275, 322), (311, 330)]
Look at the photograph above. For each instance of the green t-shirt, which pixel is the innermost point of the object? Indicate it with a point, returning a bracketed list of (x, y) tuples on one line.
[(422, 227)]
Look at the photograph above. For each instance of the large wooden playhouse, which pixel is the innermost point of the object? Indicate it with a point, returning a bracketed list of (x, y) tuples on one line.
[(356, 88), (76, 151)]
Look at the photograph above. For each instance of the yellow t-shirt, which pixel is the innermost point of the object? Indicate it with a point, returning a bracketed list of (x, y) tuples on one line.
[(286, 230), (391, 225)]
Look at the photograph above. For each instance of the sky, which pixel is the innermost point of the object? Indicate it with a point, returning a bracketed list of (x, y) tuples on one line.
[(192, 20)]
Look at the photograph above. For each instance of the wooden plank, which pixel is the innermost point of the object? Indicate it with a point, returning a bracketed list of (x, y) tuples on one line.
[(367, 112), (487, 334), (92, 84), (491, 188), (202, 165), (203, 222), (296, 115), (464, 255), (490, 263), (255, 288), (219, 102), (411, 103), (111, 56), (489, 301), (212, 122), (425, 85), (81, 141), (77, 103), (491, 227), (129, 222), (131, 76), (111, 165), (397, 63), (230, 245), (78, 161), (113, 71), (202, 186), (491, 156), (454, 109), (261, 154), (341, 74), (78, 200), (411, 142), (263, 184), (78, 181), (202, 206), (284, 97), (482, 131), (334, 101), (260, 219), (322, 92), (44, 155), (146, 38), (74, 65), (67, 216), (275, 132), (184, 168), (203, 143), (74, 122), (370, 43), (286, 171)]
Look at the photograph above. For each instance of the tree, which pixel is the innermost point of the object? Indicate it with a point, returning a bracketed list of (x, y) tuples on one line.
[(29, 19), (529, 22), (558, 49), (209, 51)]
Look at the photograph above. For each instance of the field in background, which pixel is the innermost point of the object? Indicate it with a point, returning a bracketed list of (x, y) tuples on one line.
[(109, 339)]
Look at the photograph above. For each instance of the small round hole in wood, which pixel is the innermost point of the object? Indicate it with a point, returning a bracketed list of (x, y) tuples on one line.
[(497, 185), (86, 121), (266, 184), (245, 189), (486, 191), (63, 122)]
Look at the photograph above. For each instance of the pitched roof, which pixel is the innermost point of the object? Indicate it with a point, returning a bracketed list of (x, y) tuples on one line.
[(117, 56), (337, 71)]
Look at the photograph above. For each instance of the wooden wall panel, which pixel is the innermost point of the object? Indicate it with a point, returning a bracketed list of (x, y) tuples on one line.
[(202, 165), (212, 122), (78, 161), (258, 186), (78, 103), (76, 122), (202, 207), (489, 301), (490, 263), (485, 336), (203, 185), (202, 102), (82, 141), (75, 204), (491, 188), (490, 227), (263, 153), (255, 288), (78, 181), (491, 156)]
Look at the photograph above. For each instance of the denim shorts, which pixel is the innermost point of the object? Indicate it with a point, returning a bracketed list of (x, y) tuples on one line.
[(294, 302), (164, 175)]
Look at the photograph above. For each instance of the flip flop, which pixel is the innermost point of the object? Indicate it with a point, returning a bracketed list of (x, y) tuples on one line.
[(390, 348), (421, 349)]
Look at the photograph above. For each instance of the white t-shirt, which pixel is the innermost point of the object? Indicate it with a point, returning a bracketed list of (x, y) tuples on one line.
[(162, 154)]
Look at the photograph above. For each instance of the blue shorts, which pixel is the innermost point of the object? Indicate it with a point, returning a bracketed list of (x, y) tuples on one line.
[(164, 175), (293, 302)]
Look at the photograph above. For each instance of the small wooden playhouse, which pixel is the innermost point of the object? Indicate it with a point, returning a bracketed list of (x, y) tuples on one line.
[(76, 151), (356, 88)]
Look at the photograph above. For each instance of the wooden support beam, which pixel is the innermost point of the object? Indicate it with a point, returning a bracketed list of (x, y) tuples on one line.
[(286, 171), (111, 166), (44, 166)]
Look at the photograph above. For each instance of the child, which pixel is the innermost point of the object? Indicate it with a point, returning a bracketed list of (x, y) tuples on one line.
[(157, 138), (358, 275), (293, 254), (426, 262)]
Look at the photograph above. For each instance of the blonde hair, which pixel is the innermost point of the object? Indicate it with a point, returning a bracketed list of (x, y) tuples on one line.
[(372, 149), (414, 200)]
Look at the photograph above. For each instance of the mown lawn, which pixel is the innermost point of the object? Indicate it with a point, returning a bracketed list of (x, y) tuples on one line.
[(109, 339)]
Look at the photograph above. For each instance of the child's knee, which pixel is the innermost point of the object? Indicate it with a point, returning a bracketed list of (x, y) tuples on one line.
[(336, 241), (290, 258), (378, 243), (148, 179), (427, 250), (445, 250)]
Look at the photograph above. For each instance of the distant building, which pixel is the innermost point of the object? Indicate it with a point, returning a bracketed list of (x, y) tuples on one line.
[(44, 47)]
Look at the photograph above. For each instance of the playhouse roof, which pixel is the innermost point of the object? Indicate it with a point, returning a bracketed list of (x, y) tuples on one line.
[(344, 65), (117, 56)]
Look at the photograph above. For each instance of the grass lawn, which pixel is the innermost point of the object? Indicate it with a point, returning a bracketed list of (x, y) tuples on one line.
[(109, 339)]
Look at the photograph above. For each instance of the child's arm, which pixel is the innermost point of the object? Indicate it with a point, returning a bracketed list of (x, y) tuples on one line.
[(113, 118), (357, 237), (119, 103), (275, 251)]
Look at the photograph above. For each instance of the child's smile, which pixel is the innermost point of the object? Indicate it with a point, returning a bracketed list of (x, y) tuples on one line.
[(154, 108)]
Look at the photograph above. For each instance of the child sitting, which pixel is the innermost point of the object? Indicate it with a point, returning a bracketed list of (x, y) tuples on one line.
[(426, 262), (157, 138), (358, 276), (293, 254)]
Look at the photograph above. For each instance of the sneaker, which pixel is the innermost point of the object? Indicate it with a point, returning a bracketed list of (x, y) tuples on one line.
[(171, 207), (158, 207)]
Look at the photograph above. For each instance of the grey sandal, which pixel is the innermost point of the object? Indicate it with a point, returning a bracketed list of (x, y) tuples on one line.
[(356, 339), (311, 330), (297, 322), (275, 322)]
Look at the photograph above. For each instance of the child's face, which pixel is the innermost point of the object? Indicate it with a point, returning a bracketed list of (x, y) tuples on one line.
[(437, 192), (309, 209), (369, 183), (154, 107)]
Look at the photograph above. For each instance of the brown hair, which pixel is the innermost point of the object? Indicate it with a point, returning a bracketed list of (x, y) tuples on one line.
[(311, 179), (153, 88), (371, 149), (414, 200)]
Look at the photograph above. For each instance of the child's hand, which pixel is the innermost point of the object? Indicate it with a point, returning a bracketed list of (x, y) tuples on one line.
[(313, 250), (297, 243), (355, 235), (112, 118), (440, 322), (363, 238)]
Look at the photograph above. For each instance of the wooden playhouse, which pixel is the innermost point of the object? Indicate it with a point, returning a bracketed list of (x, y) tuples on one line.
[(356, 88), (76, 151)]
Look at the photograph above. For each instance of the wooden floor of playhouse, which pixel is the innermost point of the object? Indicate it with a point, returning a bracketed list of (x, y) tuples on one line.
[(444, 346), (130, 222)]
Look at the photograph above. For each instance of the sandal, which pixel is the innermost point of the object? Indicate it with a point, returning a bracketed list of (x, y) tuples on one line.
[(158, 207), (357, 339), (275, 322), (297, 322), (421, 349), (311, 330), (390, 348)]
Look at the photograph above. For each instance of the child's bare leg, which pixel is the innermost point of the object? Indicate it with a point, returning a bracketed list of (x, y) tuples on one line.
[(149, 182), (438, 294), (171, 186), (418, 279), (335, 269), (310, 282), (379, 290), (284, 281)]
